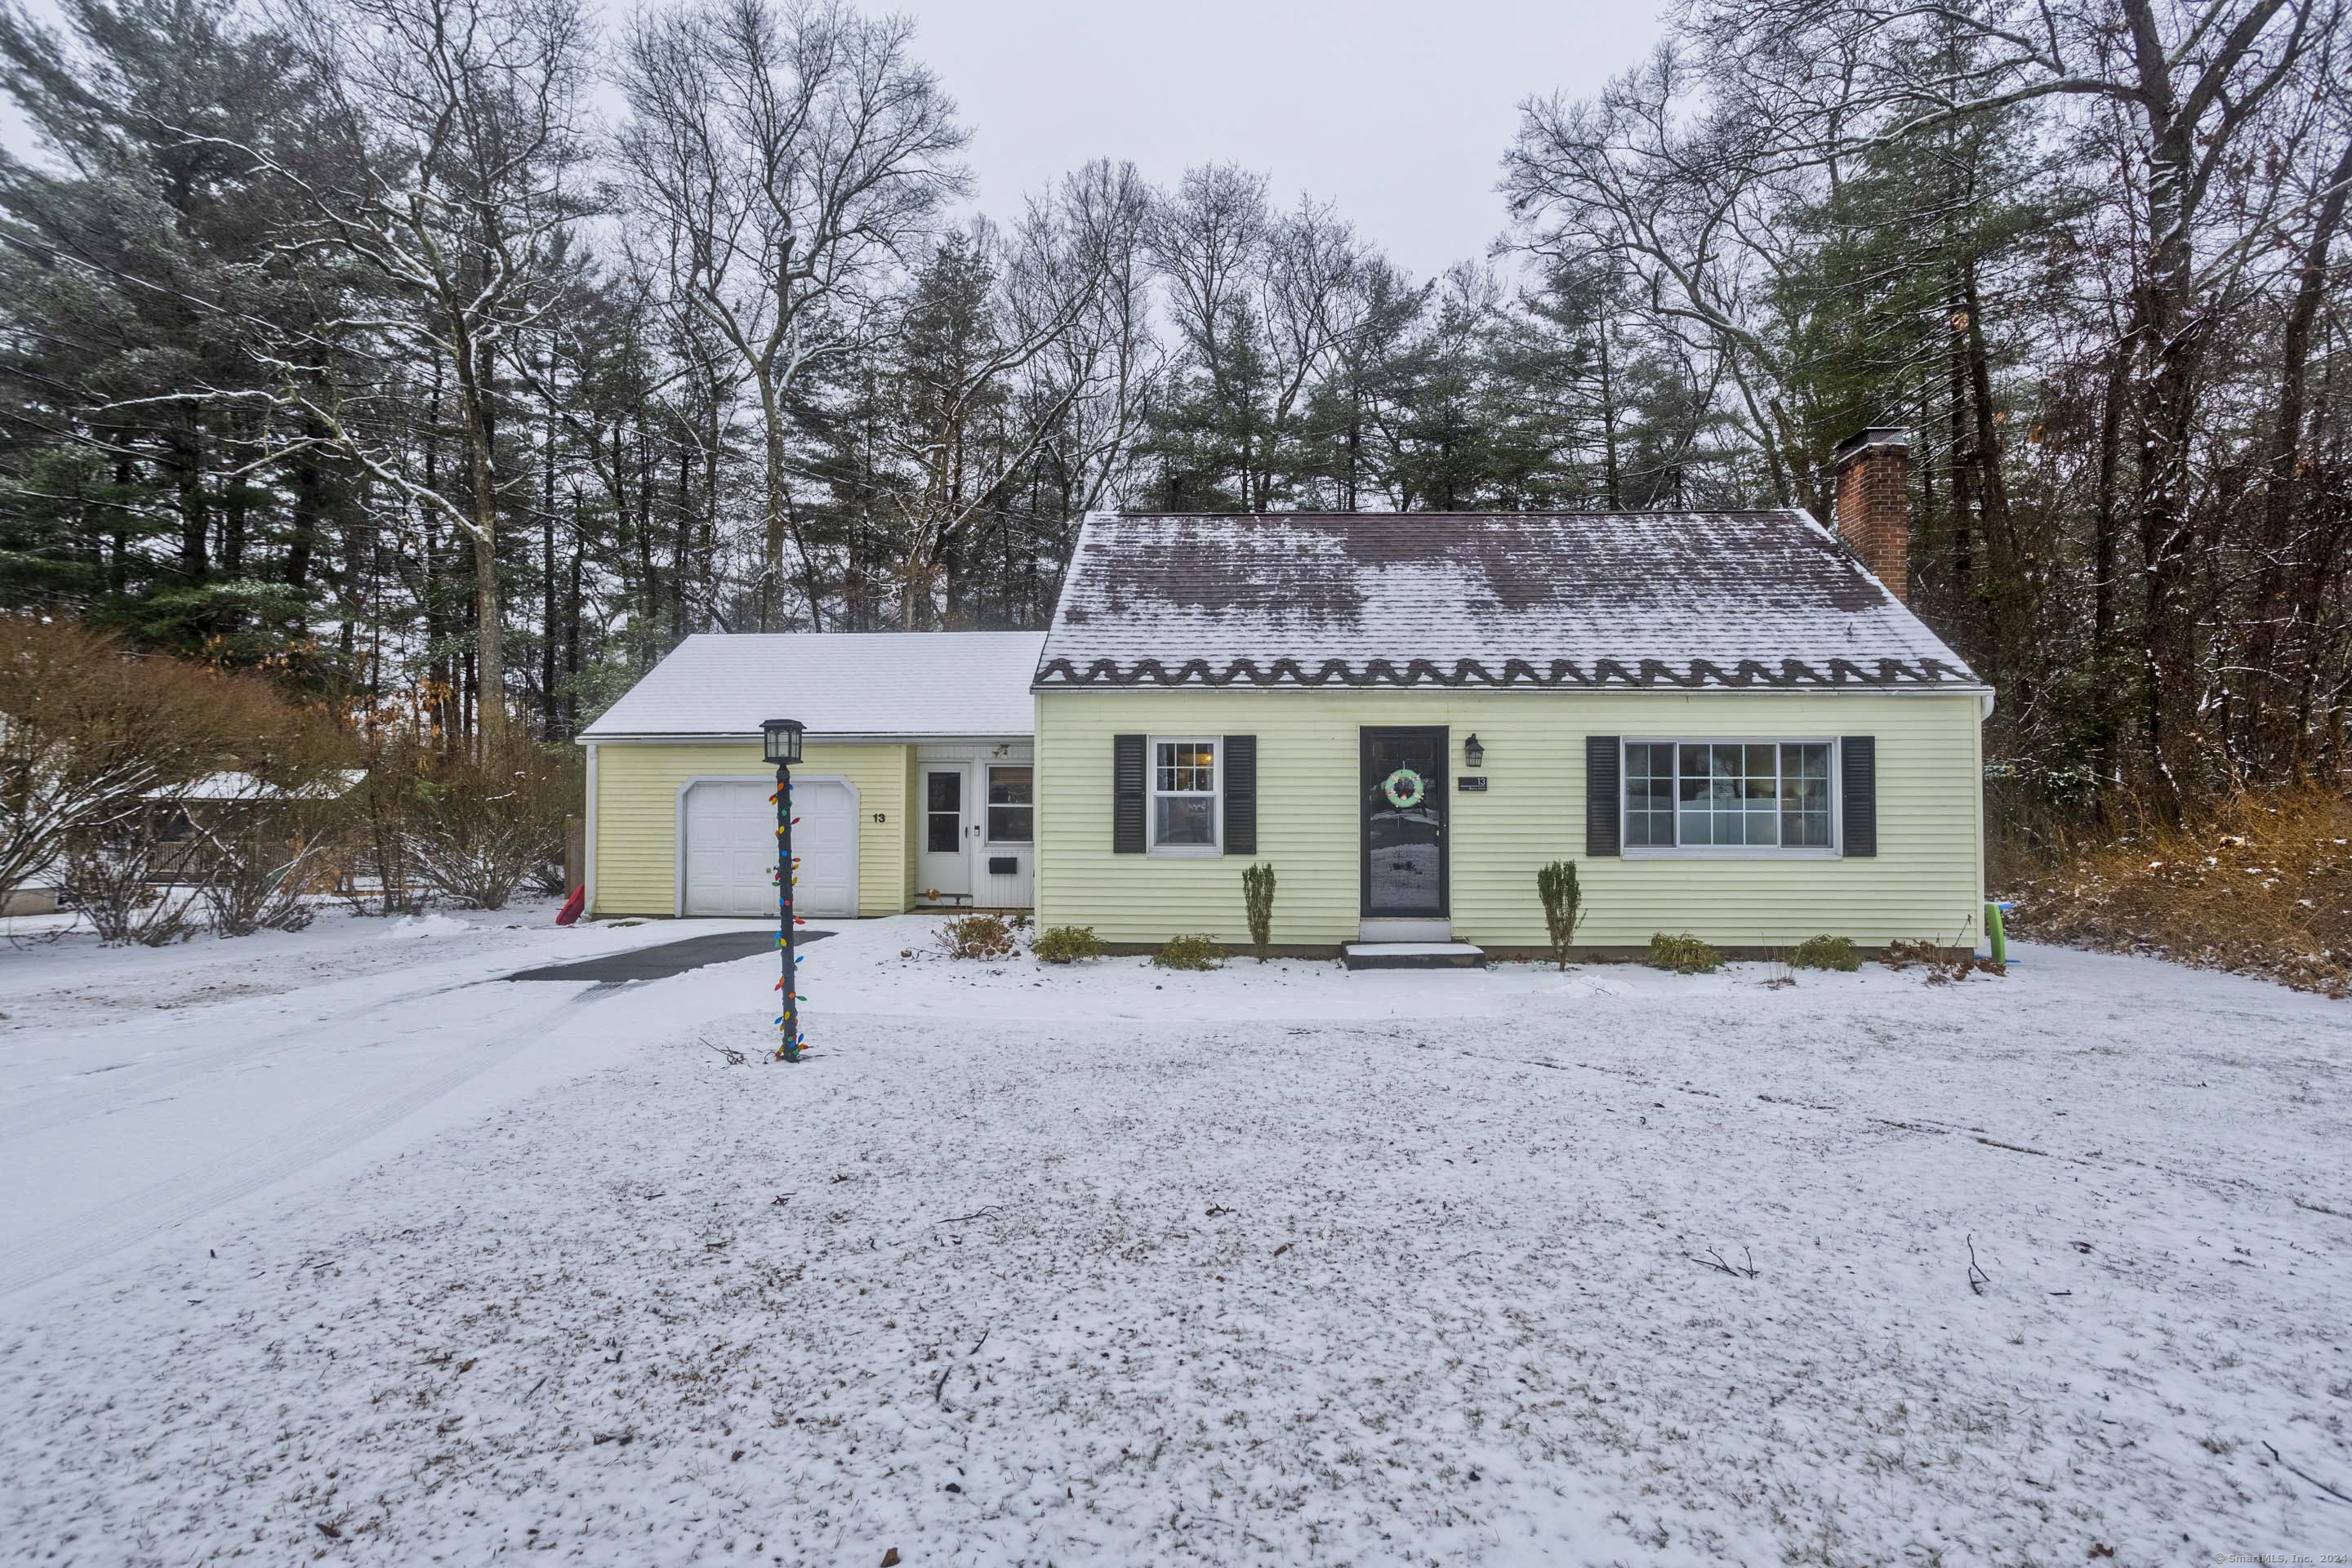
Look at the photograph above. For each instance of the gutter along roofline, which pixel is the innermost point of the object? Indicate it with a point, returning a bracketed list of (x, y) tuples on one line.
[(1522, 687), (752, 738)]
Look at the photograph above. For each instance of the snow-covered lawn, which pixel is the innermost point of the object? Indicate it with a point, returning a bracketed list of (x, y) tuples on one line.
[(1103, 1264)]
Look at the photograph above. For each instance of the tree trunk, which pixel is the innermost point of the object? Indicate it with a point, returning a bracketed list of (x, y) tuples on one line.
[(2272, 722), (234, 503), (571, 629), (2104, 562), (489, 633), (309, 492), (549, 728), (776, 516), (681, 546), (187, 452), (1610, 474), (1963, 487), (2005, 638)]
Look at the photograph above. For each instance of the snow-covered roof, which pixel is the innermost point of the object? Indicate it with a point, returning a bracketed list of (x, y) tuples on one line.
[(1617, 599), (245, 787), (836, 683)]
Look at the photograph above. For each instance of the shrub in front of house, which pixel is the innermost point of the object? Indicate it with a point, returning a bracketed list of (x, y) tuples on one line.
[(977, 936), (478, 830), (1257, 898), (1563, 906), (1684, 954), (1191, 952), (1825, 953), (1067, 944)]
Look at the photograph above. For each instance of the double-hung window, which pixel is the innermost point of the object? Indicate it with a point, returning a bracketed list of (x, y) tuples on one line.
[(1738, 795), (1183, 797)]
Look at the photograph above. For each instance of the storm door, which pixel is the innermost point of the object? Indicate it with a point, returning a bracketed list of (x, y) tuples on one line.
[(1401, 792)]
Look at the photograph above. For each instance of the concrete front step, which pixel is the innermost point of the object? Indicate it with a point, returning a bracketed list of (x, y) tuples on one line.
[(1414, 955)]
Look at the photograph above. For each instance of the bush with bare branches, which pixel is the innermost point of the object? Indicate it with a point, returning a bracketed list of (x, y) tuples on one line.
[(135, 879), (484, 830), (97, 746)]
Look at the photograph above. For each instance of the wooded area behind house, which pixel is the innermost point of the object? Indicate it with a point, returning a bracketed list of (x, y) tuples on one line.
[(452, 359)]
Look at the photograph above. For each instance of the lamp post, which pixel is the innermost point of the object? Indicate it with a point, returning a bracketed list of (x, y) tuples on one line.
[(782, 737)]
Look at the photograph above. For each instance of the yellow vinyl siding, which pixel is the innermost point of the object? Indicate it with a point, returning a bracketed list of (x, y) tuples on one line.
[(1926, 879), (636, 817)]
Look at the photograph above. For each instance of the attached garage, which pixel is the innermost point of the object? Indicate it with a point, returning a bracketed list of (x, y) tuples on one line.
[(727, 841), (916, 788)]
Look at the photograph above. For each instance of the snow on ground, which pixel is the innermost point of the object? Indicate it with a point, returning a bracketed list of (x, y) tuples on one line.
[(140, 1087), (1281, 1263)]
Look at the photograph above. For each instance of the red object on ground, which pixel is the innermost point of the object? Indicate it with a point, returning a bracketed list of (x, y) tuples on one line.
[(571, 909)]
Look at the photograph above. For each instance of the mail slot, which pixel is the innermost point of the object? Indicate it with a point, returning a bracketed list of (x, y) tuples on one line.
[(1004, 865)]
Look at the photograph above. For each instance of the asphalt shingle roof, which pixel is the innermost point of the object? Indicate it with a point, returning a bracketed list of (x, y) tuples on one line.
[(836, 683), (1634, 599)]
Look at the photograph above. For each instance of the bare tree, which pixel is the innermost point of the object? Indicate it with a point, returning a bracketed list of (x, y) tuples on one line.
[(1261, 302), (2195, 84), (450, 181), (1111, 355), (789, 153), (1683, 205)]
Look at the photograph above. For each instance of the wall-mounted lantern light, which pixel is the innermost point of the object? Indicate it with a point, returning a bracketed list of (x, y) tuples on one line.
[(1473, 753)]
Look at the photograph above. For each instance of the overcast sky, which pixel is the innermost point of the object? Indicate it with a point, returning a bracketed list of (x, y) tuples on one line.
[(1398, 111), (1396, 108)]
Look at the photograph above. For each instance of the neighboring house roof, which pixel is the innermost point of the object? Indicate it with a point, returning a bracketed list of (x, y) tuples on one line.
[(245, 788), (836, 683), (1615, 599)]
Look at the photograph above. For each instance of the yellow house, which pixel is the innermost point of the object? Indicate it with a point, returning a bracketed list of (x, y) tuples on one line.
[(916, 788), (1729, 720)]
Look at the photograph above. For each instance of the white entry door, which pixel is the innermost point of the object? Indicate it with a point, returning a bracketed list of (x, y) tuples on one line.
[(943, 869), (728, 828)]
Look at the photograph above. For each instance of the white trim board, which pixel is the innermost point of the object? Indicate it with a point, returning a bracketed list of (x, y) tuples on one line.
[(588, 834)]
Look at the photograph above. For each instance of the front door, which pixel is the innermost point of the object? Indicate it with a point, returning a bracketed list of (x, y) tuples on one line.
[(944, 872), (1404, 801)]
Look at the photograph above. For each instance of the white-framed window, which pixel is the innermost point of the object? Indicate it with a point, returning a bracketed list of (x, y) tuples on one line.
[(1012, 803), (1730, 797), (1184, 816)]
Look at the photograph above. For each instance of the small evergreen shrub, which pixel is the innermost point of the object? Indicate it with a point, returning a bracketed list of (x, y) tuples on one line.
[(1563, 904), (977, 936), (1684, 954), (1257, 894), (1191, 952), (1067, 944), (1825, 953)]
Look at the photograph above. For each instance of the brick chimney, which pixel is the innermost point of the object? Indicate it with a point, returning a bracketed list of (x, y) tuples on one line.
[(1872, 512)]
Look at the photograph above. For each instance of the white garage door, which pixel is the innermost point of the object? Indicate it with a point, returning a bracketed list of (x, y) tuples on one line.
[(731, 848)]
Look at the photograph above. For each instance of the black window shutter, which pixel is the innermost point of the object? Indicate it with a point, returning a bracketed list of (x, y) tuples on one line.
[(1127, 794), (1241, 794), (1858, 785), (1600, 787)]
